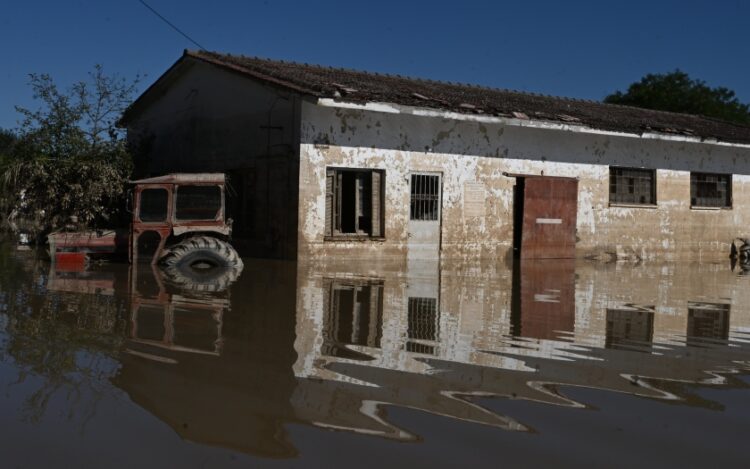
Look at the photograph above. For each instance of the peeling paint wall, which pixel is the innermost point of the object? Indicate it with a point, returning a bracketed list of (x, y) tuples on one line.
[(472, 157), (207, 119)]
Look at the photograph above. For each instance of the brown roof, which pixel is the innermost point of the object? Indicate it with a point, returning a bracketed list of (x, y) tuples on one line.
[(361, 87)]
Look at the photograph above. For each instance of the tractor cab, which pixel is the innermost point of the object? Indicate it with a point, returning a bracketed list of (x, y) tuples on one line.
[(178, 220), (171, 207)]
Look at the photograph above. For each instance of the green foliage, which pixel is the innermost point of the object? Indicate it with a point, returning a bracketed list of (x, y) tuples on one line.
[(68, 158), (7, 143), (677, 92)]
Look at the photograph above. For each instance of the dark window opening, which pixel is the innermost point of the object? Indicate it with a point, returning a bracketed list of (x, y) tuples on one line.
[(195, 329), (710, 190), (425, 197), (354, 316), (149, 324), (518, 207), (632, 186), (153, 205), (354, 202), (629, 327), (198, 202)]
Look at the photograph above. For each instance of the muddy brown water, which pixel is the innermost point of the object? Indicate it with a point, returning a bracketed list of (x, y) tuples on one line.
[(352, 364)]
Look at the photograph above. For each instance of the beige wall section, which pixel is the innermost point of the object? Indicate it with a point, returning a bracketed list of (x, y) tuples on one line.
[(473, 156)]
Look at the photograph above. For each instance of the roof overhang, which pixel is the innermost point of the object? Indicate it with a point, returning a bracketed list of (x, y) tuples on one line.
[(191, 58), (186, 61), (510, 121)]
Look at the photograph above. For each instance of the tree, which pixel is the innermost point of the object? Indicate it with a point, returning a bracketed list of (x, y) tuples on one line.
[(677, 92), (69, 158), (7, 143)]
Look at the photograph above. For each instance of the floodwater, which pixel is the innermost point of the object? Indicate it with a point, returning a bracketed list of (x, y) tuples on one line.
[(432, 365)]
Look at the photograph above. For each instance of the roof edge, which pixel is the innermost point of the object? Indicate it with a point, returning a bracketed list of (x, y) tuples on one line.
[(132, 109), (395, 108), (251, 73)]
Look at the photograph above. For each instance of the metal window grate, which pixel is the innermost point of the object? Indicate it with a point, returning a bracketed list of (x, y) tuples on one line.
[(632, 186), (424, 349), (629, 326), (708, 321), (425, 197), (710, 190), (423, 319)]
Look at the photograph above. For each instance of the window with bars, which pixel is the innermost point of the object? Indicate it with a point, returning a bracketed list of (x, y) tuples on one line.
[(423, 325), (707, 321), (632, 186), (629, 326), (711, 190), (354, 202), (425, 197)]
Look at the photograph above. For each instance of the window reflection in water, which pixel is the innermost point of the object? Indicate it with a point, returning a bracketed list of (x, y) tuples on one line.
[(354, 317), (629, 327)]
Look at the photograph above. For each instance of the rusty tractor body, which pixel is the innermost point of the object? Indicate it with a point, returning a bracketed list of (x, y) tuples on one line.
[(178, 219)]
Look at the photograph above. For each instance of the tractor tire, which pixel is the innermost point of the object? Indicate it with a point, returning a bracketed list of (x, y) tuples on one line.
[(202, 263)]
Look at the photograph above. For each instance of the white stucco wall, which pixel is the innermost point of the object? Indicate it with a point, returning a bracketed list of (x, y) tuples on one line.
[(471, 152)]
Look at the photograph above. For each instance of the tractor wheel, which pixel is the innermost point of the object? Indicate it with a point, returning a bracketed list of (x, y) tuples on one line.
[(202, 263)]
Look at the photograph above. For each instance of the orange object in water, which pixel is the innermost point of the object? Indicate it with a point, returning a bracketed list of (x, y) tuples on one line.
[(70, 261)]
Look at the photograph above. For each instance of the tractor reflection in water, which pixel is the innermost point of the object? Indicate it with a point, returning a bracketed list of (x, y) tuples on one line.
[(165, 320), (178, 220)]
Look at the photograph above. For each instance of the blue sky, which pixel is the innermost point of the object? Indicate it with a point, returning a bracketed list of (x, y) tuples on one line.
[(582, 49)]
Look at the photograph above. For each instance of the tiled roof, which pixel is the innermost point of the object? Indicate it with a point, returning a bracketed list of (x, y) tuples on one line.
[(361, 87)]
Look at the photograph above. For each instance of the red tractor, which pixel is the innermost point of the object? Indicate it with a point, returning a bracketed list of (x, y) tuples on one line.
[(178, 219)]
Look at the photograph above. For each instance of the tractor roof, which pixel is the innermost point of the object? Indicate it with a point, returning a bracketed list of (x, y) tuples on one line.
[(184, 178)]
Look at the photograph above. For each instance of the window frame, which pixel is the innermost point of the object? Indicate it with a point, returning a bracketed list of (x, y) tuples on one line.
[(175, 197), (427, 205), (168, 217), (654, 188), (377, 226), (333, 314), (729, 197)]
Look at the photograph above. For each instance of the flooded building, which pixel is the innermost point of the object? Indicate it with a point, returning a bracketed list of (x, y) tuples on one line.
[(337, 162)]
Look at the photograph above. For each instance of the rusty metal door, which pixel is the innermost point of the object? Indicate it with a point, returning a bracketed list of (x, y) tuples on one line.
[(550, 206), (424, 216)]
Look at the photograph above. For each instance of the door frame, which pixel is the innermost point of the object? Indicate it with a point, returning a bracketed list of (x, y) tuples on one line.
[(439, 220), (519, 209)]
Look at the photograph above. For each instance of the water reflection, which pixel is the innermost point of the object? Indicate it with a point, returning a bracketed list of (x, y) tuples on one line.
[(335, 346), (440, 343)]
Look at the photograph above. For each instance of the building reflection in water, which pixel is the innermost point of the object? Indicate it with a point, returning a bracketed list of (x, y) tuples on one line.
[(489, 332), (544, 298), (334, 346)]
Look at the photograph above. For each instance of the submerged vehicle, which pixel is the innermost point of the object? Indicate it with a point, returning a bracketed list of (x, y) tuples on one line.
[(178, 220)]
